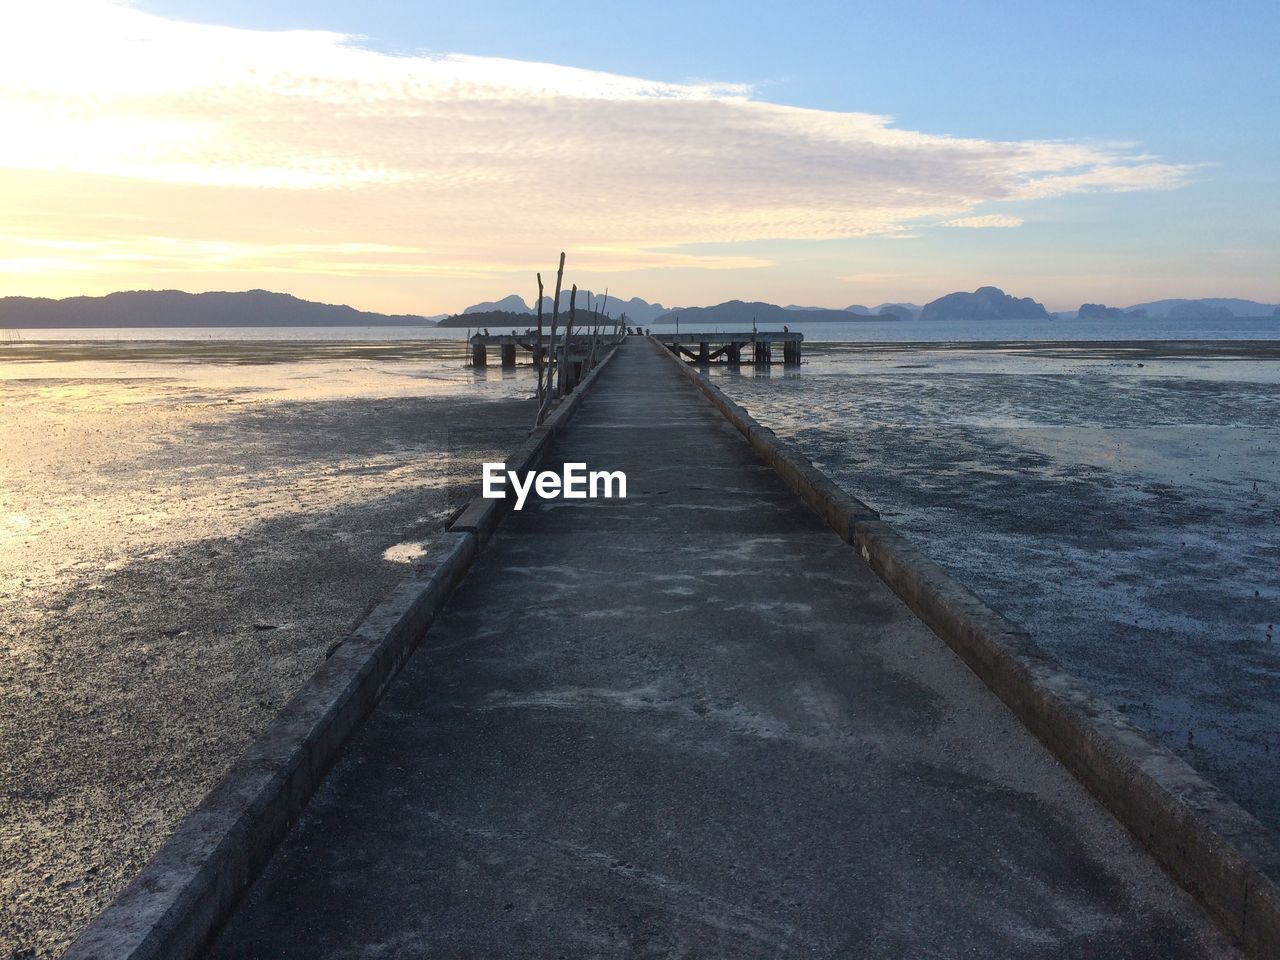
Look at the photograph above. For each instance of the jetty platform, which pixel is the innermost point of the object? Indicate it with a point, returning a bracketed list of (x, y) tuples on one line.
[(574, 348), (755, 345), (695, 723)]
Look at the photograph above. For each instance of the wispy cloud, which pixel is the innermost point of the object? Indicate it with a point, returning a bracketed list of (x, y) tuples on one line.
[(282, 147), (988, 220)]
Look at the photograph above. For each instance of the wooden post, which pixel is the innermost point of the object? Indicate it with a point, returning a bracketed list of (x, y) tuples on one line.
[(507, 351), (568, 340), (537, 344), (551, 353), (600, 318), (479, 357), (702, 352)]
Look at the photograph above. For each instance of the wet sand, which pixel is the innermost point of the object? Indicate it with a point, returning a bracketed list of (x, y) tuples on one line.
[(184, 531), (1120, 501)]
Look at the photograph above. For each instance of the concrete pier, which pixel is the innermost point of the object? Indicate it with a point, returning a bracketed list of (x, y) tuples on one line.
[(694, 723)]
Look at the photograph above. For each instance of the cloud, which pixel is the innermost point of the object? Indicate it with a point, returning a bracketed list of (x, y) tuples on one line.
[(985, 221), (160, 140)]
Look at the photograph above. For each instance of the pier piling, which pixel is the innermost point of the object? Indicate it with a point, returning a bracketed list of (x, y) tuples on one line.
[(705, 348)]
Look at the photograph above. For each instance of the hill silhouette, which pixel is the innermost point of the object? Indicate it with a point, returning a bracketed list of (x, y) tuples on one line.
[(496, 319), (1206, 307), (174, 308), (985, 303), (741, 314), (638, 311)]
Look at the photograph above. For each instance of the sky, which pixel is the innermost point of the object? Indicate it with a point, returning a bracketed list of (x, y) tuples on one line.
[(417, 157)]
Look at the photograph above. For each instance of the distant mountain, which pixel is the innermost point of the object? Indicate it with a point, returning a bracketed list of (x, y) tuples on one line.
[(173, 308), (985, 303), (741, 315), (638, 311), (512, 304), (902, 311), (494, 319), (1205, 308), (1098, 311)]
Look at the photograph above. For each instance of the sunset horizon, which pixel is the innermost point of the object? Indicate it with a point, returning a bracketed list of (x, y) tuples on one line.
[(156, 148), (731, 479)]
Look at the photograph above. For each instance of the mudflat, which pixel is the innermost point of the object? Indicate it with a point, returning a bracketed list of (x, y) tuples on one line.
[(185, 529), (1119, 500)]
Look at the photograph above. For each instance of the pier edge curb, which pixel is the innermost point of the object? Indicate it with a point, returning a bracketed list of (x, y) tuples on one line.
[(173, 907), (1217, 851)]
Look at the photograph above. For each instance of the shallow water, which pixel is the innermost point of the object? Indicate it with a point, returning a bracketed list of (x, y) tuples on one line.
[(1125, 511), (857, 331)]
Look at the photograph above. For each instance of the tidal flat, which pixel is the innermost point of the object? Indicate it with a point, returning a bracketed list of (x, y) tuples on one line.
[(1119, 501), (185, 529)]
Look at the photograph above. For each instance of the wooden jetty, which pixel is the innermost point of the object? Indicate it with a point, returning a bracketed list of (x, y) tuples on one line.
[(695, 722), (574, 354), (756, 345), (512, 346)]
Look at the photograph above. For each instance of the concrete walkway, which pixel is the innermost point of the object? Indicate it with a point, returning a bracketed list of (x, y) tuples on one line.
[(694, 724)]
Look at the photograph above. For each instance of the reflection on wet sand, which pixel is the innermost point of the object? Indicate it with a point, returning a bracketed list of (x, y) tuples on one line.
[(182, 536)]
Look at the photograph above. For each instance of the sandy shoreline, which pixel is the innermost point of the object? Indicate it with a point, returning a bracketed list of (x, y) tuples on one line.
[(174, 565)]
